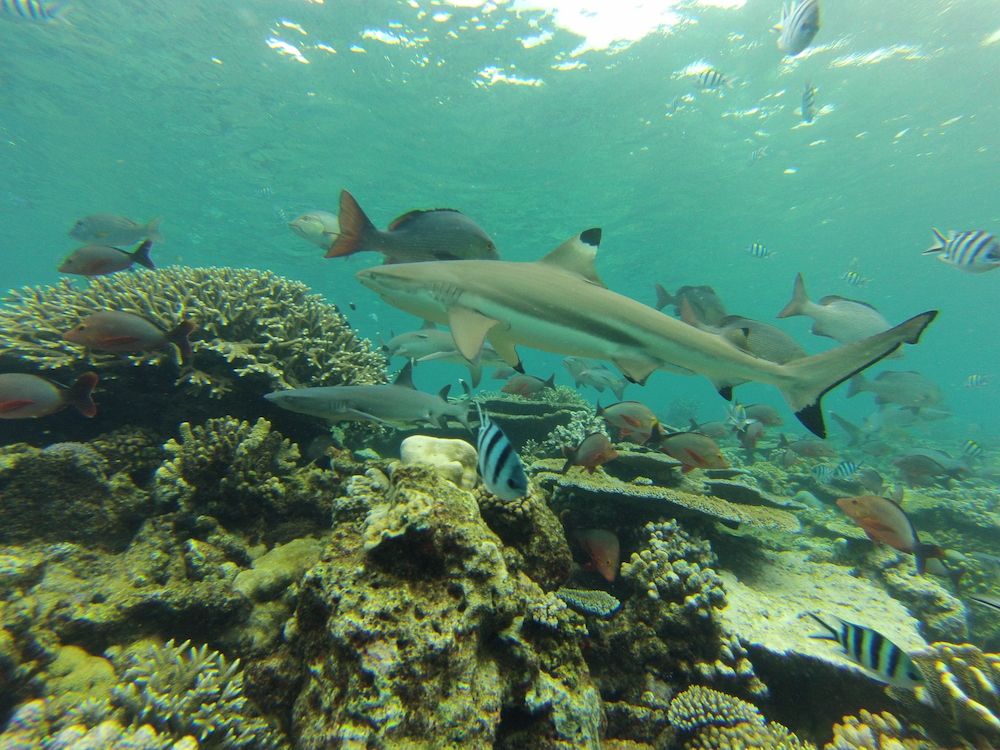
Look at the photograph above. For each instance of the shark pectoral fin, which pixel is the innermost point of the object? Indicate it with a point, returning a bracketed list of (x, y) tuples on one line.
[(505, 347), (636, 370), (469, 329)]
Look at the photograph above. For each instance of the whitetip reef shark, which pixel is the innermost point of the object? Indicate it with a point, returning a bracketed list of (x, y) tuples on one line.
[(559, 304)]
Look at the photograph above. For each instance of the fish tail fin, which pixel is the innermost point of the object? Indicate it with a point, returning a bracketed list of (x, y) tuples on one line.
[(81, 394), (551, 382), (141, 255), (355, 228), (940, 242), (858, 385), (599, 410), (153, 230), (179, 337), (830, 635), (619, 391), (811, 377), (663, 297), (476, 373), (800, 299), (922, 552), (570, 455)]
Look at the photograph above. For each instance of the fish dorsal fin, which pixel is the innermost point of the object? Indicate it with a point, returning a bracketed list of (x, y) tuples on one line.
[(577, 254), (405, 376), (469, 329), (401, 221), (831, 298)]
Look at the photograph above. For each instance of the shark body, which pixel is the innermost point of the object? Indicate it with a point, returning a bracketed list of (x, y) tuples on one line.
[(559, 304)]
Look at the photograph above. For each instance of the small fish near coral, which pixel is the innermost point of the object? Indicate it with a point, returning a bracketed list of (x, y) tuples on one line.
[(873, 651), (116, 331), (527, 385), (499, 465), (100, 260), (693, 450), (24, 396), (604, 550), (632, 420), (593, 451)]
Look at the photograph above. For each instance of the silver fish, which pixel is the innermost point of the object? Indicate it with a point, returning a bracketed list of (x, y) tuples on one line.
[(499, 465), (835, 317), (905, 388), (430, 344), (321, 228), (110, 229), (973, 251), (798, 27), (873, 651)]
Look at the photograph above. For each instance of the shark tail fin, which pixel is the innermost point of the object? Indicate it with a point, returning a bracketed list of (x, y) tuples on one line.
[(811, 377), (796, 305), (356, 229)]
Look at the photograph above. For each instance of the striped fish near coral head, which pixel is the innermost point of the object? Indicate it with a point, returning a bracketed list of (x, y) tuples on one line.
[(499, 465), (25, 396), (874, 652), (116, 331)]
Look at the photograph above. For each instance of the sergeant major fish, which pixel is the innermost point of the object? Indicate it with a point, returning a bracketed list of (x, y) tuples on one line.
[(973, 251), (873, 651), (809, 104), (24, 396), (110, 229), (32, 10), (435, 234), (99, 260), (499, 465), (798, 26)]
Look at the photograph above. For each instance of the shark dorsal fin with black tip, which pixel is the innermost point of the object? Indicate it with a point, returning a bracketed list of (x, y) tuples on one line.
[(577, 254)]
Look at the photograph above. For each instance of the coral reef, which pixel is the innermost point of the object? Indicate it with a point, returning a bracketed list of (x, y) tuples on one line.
[(590, 601), (455, 459), (415, 627), (706, 719), (582, 423), (876, 731), (251, 324), (523, 419)]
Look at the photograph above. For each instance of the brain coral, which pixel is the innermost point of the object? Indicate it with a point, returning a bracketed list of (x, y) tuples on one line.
[(250, 323)]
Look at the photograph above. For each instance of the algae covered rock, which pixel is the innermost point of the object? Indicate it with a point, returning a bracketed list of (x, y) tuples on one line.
[(415, 628), (455, 459)]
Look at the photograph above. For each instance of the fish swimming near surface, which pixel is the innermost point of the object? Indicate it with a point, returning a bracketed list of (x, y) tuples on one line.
[(884, 521), (593, 451), (559, 304), (759, 250), (907, 389), (845, 320), (321, 228), (527, 385), (973, 251), (24, 396), (116, 331), (604, 550), (711, 79), (808, 104), (111, 229), (634, 421), (798, 26), (499, 465), (100, 260), (693, 450), (873, 651), (397, 404), (435, 234), (705, 303), (32, 10), (977, 380)]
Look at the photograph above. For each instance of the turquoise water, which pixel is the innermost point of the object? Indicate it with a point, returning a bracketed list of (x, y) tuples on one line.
[(187, 111)]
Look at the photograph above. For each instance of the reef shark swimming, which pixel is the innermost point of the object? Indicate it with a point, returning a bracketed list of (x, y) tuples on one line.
[(559, 304)]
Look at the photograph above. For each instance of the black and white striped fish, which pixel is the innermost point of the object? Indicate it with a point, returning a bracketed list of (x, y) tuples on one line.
[(823, 473), (974, 251), (874, 652), (809, 104), (499, 465), (977, 380), (846, 470), (31, 10), (712, 79), (854, 277), (972, 449), (759, 250), (798, 26)]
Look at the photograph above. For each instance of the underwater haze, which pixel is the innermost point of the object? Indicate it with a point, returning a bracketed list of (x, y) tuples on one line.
[(708, 158)]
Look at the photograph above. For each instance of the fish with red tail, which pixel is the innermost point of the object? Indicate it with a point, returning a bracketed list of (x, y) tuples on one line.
[(593, 451), (435, 234), (100, 260), (24, 396), (116, 331), (604, 550)]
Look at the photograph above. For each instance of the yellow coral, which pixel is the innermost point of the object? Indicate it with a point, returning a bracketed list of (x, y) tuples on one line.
[(868, 731)]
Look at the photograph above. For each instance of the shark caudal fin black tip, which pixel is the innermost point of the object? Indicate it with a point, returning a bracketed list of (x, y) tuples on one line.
[(811, 418), (591, 236)]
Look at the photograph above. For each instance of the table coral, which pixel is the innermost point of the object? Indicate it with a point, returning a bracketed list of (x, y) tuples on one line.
[(250, 323)]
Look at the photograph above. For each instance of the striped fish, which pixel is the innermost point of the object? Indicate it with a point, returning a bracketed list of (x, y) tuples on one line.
[(846, 470), (759, 250), (499, 465), (798, 26), (854, 278), (823, 473), (809, 104), (977, 381), (974, 251), (31, 10), (972, 449), (874, 652), (712, 79)]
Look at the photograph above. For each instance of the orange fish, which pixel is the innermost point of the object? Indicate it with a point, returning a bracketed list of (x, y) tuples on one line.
[(98, 260), (113, 331), (593, 451), (604, 550), (693, 450), (634, 421), (28, 396), (885, 521)]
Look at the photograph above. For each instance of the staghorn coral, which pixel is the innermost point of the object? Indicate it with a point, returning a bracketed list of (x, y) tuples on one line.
[(251, 324), (240, 473), (590, 601), (709, 720), (881, 731), (183, 690)]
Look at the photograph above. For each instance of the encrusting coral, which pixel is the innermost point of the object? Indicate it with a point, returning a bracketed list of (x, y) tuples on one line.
[(251, 323), (881, 731)]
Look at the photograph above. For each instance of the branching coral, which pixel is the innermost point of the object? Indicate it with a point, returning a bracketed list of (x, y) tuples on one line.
[(709, 720), (583, 423), (882, 731), (188, 690), (251, 323)]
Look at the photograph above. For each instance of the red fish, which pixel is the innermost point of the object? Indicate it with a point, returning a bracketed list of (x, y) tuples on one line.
[(98, 260), (604, 550), (113, 331), (693, 450), (593, 451), (527, 385), (635, 422), (885, 521), (28, 396)]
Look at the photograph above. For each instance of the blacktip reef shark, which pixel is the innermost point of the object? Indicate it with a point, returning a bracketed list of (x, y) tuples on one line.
[(559, 304), (398, 404)]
